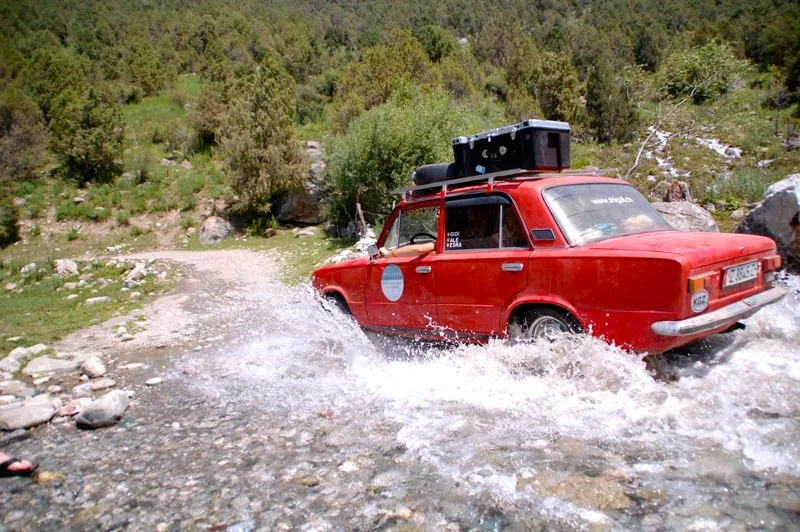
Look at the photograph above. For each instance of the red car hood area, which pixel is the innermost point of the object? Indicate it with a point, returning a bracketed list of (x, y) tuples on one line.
[(702, 249)]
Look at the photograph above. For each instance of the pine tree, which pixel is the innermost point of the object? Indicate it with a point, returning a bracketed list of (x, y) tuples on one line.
[(611, 115), (263, 156)]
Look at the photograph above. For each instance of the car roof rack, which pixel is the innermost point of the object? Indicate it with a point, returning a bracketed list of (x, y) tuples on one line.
[(516, 174)]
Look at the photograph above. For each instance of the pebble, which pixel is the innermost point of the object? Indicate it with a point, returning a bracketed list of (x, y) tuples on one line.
[(72, 296), (133, 365), (134, 295), (40, 380), (54, 389), (154, 381), (127, 337)]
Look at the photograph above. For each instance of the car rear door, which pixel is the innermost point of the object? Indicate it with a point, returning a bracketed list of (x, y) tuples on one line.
[(400, 295), (482, 265)]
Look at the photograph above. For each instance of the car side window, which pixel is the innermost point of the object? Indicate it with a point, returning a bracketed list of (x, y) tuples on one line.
[(482, 223), (420, 224)]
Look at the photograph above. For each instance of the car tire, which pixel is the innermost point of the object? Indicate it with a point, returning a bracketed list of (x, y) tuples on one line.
[(434, 173), (546, 324), (338, 302)]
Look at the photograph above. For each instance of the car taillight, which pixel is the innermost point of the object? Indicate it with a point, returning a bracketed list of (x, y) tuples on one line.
[(769, 265)]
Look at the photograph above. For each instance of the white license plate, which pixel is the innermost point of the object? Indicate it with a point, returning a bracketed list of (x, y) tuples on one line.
[(740, 274)]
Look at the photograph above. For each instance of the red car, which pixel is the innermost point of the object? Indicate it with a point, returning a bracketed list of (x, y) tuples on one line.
[(530, 255)]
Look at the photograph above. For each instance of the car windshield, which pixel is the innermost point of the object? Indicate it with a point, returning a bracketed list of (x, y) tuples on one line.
[(589, 212)]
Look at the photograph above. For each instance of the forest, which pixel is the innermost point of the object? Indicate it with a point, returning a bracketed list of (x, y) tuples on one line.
[(94, 93)]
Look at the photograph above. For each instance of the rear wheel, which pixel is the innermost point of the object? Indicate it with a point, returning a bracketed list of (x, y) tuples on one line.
[(337, 301), (544, 323)]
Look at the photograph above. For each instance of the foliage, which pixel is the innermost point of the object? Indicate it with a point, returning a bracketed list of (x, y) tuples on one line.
[(557, 88), (87, 135), (262, 155), (611, 115), (382, 147), (9, 216), (146, 68), (437, 42), (703, 73), (23, 136)]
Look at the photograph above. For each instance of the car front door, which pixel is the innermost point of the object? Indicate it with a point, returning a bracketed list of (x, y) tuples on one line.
[(482, 265), (401, 296)]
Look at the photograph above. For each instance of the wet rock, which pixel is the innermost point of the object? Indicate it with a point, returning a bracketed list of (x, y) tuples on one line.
[(93, 367), (103, 412), (47, 364), (66, 268), (154, 381), (778, 217), (27, 414), (592, 492), (97, 300), (15, 388), (74, 407), (686, 216), (14, 437), (214, 230)]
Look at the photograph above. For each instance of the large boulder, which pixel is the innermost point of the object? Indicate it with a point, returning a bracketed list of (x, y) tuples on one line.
[(214, 230), (302, 206), (777, 218), (686, 216), (32, 412)]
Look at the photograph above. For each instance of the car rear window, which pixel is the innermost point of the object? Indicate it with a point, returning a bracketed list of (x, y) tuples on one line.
[(482, 223), (594, 211)]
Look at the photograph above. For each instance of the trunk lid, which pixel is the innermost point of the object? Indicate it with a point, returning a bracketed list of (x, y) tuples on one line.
[(702, 249)]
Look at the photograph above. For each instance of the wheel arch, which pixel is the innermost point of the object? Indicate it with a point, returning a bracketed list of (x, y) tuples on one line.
[(338, 297), (519, 309)]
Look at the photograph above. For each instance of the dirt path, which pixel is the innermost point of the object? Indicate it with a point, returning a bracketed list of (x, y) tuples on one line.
[(212, 290)]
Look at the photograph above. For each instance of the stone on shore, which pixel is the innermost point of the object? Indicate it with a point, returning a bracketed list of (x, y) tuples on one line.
[(15, 388), (103, 412), (214, 230), (778, 217), (154, 381), (47, 364), (66, 268), (29, 413), (686, 216), (93, 367)]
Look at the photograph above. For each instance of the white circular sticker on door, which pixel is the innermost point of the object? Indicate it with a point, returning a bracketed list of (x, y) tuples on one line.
[(392, 282)]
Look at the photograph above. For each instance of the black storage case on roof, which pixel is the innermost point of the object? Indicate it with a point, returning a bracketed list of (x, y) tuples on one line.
[(540, 145)]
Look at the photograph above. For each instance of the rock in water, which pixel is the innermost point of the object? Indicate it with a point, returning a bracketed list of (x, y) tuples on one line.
[(104, 412), (777, 218), (66, 268), (214, 230), (30, 413), (93, 367), (686, 216), (47, 364)]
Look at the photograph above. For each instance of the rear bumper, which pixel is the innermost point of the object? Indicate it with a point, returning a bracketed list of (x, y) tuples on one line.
[(713, 320)]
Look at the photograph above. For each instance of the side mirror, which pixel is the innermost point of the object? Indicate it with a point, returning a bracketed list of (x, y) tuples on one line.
[(372, 251)]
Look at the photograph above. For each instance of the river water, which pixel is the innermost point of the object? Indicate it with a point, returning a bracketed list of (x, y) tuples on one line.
[(570, 435)]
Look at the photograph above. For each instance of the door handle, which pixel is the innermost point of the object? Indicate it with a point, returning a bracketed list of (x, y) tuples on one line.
[(512, 266), (423, 269)]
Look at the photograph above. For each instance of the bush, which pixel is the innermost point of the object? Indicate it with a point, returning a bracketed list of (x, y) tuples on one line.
[(87, 135), (702, 73), (23, 136), (383, 146), (9, 217), (263, 156)]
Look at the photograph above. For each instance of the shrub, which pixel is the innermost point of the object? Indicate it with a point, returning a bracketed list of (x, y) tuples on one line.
[(23, 136), (263, 157), (384, 145), (123, 217), (702, 73), (72, 234), (87, 135), (9, 217)]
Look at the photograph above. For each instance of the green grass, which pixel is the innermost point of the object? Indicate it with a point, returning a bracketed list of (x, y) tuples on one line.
[(40, 312)]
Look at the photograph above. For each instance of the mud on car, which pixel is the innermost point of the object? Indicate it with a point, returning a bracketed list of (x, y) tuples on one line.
[(476, 250)]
